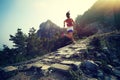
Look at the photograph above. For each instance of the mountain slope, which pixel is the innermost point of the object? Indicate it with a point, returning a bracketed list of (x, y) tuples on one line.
[(48, 29), (96, 56), (103, 16)]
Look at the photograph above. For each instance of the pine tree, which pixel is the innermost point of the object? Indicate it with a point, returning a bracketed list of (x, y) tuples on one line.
[(34, 44), (20, 41)]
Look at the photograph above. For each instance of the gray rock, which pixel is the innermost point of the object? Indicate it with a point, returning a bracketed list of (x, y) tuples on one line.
[(107, 69), (116, 72), (61, 67), (74, 64), (34, 71), (92, 79), (89, 68), (8, 72), (10, 68), (100, 75)]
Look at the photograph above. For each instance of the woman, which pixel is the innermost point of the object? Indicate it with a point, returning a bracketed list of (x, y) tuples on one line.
[(70, 26)]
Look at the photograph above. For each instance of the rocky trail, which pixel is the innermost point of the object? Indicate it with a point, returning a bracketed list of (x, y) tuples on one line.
[(67, 63)]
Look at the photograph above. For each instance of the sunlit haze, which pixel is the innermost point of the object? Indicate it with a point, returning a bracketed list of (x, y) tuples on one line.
[(25, 14)]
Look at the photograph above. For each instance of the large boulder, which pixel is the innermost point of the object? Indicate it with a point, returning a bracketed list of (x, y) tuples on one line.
[(89, 68), (8, 72)]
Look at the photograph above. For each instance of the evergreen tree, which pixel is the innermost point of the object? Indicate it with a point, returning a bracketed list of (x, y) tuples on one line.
[(20, 41), (7, 56), (34, 44)]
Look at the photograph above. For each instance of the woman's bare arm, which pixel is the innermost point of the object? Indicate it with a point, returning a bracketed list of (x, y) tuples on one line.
[(64, 24)]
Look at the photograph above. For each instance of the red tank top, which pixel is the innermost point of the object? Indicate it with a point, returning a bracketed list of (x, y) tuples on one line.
[(69, 22)]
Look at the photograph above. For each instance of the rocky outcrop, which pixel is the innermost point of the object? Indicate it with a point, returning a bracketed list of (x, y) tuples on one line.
[(103, 16), (94, 58), (58, 62), (48, 30)]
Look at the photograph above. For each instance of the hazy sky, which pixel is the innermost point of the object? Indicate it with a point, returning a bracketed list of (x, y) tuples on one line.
[(25, 14)]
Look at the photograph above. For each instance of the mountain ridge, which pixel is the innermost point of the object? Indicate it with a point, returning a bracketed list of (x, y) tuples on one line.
[(48, 29), (102, 17), (96, 57)]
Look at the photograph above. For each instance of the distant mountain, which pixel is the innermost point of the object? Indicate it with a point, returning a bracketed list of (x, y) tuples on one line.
[(103, 16), (48, 29)]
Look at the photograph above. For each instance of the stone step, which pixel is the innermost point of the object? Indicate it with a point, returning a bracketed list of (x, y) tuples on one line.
[(61, 67), (51, 57), (10, 68), (76, 63), (45, 67)]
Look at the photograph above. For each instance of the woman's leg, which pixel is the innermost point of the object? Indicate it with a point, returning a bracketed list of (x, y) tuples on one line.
[(70, 34), (72, 37)]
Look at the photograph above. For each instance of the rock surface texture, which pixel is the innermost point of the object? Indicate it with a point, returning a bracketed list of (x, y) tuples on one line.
[(89, 59)]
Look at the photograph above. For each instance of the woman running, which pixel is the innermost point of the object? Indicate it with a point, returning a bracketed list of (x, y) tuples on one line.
[(70, 27)]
